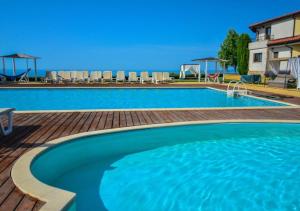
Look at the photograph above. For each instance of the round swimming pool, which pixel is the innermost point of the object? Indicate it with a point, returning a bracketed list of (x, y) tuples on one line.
[(230, 166)]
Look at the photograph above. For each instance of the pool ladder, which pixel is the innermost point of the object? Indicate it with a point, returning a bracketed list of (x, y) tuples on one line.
[(238, 89)]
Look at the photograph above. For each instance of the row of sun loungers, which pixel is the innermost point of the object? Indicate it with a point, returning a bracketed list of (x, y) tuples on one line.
[(105, 76)]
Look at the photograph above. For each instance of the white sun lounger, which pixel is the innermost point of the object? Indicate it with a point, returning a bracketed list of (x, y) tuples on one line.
[(166, 77), (86, 76), (95, 76), (107, 76), (79, 76), (8, 112), (64, 76), (120, 76), (157, 77), (67, 76), (145, 77), (133, 77), (51, 76), (73, 75)]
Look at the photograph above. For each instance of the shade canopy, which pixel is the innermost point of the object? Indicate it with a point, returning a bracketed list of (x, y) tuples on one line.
[(206, 60), (209, 59), (20, 56)]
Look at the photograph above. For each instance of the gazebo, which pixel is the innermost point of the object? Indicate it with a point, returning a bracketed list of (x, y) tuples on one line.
[(206, 60), (15, 56)]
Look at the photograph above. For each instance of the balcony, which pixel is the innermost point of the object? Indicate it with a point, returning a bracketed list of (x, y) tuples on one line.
[(263, 37), (258, 44)]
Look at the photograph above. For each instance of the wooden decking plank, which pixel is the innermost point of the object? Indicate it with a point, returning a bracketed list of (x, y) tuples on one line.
[(38, 205), (116, 119), (122, 119), (4, 175), (128, 117), (60, 130), (73, 124), (141, 118), (109, 120), (147, 119), (6, 189), (135, 119), (95, 122), (51, 128), (155, 117), (88, 122), (79, 124), (101, 123), (26, 204), (12, 201), (164, 116)]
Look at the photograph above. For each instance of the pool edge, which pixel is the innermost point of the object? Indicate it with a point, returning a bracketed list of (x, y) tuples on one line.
[(58, 199), (285, 105)]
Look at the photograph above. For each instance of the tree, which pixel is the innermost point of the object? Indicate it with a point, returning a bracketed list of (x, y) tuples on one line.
[(243, 53), (228, 50)]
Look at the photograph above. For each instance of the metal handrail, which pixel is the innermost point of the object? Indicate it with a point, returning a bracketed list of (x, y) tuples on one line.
[(237, 88)]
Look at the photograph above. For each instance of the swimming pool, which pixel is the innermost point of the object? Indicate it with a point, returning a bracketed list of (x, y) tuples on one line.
[(229, 166), (122, 98)]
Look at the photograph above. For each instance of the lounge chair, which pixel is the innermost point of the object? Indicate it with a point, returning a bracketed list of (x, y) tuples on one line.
[(120, 76), (145, 77), (51, 76), (80, 77), (157, 77), (67, 77), (86, 76), (166, 77), (63, 76), (133, 77), (47, 76), (73, 75), (95, 76), (107, 76), (99, 75), (8, 112)]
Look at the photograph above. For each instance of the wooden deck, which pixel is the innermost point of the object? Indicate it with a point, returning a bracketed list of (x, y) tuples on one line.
[(32, 130)]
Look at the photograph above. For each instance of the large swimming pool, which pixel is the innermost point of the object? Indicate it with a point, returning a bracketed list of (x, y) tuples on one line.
[(122, 98), (242, 166)]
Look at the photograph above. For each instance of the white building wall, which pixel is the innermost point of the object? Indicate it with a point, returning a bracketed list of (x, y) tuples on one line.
[(283, 52), (282, 29), (259, 67)]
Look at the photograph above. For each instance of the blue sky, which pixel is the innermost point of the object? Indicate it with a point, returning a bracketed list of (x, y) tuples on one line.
[(132, 34)]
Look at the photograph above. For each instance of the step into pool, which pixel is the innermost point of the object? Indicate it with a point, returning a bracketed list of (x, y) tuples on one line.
[(32, 99)]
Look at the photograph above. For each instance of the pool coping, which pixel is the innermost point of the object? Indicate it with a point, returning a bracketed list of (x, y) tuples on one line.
[(58, 199), (284, 104)]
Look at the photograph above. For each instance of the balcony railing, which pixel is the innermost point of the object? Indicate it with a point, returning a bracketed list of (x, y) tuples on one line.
[(263, 38)]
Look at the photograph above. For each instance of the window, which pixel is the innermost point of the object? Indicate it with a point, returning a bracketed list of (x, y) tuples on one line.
[(268, 33), (275, 55), (257, 35), (257, 57)]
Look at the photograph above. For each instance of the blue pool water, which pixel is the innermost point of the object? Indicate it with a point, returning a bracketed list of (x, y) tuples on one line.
[(122, 98), (249, 166)]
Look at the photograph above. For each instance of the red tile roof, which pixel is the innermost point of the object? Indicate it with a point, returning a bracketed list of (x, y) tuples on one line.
[(286, 40), (289, 15)]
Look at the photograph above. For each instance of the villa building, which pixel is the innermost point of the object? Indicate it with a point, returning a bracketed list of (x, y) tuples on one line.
[(276, 41)]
